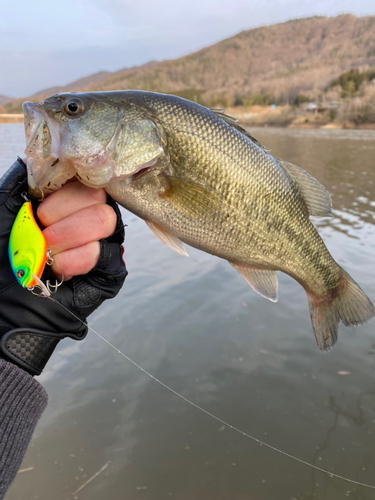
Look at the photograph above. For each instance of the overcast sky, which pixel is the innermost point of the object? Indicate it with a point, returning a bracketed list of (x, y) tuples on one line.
[(45, 43)]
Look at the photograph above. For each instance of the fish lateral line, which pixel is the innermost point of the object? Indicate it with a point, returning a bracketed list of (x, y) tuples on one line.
[(206, 412)]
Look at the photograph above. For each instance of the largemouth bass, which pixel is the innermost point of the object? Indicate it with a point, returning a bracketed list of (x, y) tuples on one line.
[(197, 177)]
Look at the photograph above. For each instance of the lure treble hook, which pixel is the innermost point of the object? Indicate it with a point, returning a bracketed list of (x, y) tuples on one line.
[(47, 289)]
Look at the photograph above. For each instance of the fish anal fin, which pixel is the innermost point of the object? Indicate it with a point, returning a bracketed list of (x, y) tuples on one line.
[(190, 197), (317, 198), (167, 238), (220, 113), (264, 282)]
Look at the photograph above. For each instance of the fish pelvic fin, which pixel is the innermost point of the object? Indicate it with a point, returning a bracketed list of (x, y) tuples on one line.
[(348, 304), (317, 198), (263, 282), (167, 238)]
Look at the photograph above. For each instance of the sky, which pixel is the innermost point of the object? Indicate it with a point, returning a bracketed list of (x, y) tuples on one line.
[(44, 43)]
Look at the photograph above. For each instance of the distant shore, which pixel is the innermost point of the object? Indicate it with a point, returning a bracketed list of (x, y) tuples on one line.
[(265, 116), (290, 117), (11, 118)]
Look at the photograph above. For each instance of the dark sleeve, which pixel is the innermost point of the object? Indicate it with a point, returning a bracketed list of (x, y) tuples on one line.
[(22, 402)]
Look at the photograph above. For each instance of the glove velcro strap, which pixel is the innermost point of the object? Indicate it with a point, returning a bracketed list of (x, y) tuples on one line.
[(30, 349)]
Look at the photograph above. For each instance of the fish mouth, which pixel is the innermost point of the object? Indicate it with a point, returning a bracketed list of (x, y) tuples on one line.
[(51, 160), (45, 172)]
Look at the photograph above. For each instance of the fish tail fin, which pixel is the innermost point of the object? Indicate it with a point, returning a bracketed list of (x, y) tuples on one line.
[(348, 304)]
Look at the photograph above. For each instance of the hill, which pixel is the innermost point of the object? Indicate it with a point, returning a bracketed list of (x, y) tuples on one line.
[(81, 82), (4, 99), (284, 60)]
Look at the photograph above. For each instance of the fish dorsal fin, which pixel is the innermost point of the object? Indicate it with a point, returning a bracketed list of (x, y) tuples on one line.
[(190, 197), (261, 281), (233, 122), (167, 238), (317, 198)]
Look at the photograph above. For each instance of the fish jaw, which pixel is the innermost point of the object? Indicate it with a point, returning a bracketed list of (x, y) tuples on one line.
[(104, 145), (45, 172)]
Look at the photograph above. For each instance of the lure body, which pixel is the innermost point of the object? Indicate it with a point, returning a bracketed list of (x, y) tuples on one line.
[(27, 248)]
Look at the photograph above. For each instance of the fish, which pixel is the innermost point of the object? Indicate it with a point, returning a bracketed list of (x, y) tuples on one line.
[(197, 177), (27, 249)]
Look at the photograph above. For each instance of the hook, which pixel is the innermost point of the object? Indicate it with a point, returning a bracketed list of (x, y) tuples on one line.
[(41, 190), (28, 197), (45, 290), (49, 257), (53, 288)]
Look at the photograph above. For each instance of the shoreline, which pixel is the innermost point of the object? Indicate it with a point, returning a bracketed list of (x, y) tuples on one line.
[(11, 118), (291, 117), (262, 117)]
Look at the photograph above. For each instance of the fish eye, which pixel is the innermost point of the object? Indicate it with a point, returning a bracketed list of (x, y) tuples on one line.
[(21, 273), (73, 107)]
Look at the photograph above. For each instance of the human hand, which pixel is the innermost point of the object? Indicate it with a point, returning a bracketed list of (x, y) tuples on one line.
[(76, 218), (30, 326)]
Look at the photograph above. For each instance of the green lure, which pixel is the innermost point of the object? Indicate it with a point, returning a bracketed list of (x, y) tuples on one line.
[(28, 252)]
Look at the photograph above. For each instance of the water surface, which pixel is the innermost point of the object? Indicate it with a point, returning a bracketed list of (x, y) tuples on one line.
[(196, 325)]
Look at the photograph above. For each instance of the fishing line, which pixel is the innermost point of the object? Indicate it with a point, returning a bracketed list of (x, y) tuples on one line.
[(218, 419)]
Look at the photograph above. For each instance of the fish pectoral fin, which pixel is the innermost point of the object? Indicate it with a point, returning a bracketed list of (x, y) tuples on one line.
[(317, 198), (190, 197), (220, 113), (261, 281), (167, 238)]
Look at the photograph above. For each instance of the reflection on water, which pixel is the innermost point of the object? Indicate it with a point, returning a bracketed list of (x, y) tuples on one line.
[(12, 144), (195, 324)]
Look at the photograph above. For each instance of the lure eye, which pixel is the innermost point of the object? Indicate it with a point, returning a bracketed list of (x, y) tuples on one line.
[(21, 273), (73, 107)]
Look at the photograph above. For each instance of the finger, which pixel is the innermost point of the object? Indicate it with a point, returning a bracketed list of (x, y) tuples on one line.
[(89, 224), (69, 199), (76, 261)]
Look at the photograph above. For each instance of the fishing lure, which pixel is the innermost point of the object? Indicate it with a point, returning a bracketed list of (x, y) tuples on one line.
[(28, 251)]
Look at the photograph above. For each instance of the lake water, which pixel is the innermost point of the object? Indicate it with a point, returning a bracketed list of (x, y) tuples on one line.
[(197, 326)]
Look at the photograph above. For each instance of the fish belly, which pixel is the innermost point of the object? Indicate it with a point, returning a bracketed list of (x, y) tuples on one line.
[(242, 237)]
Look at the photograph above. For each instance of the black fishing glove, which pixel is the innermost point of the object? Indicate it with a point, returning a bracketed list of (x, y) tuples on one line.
[(31, 326)]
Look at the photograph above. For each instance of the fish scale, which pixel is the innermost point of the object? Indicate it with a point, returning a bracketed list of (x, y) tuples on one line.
[(195, 176), (236, 193)]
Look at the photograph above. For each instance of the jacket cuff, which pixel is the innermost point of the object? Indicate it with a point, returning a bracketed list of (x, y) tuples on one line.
[(22, 402)]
